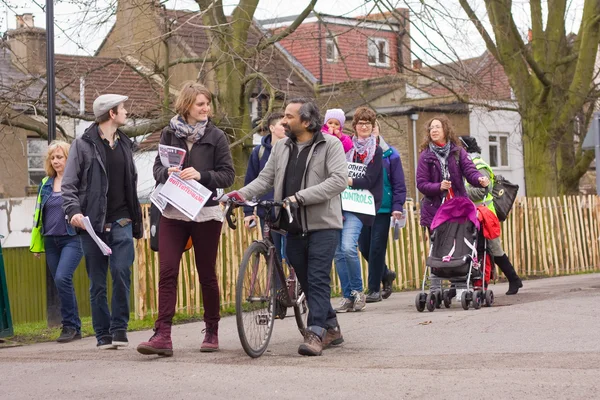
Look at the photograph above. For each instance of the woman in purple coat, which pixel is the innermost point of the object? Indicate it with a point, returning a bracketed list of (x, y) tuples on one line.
[(443, 164)]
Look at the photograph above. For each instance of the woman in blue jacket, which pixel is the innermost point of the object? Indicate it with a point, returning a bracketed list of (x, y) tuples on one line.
[(373, 240), (58, 239)]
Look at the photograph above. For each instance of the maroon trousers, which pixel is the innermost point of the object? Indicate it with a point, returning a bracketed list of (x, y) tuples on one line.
[(172, 238)]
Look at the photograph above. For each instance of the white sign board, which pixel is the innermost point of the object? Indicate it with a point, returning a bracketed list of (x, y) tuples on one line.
[(358, 200), (187, 196)]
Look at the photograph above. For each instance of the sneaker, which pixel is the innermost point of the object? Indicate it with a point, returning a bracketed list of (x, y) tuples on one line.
[(373, 297), (312, 346), (211, 338), (68, 334), (159, 344), (359, 300), (105, 343), (345, 305), (333, 337), (119, 338), (388, 280)]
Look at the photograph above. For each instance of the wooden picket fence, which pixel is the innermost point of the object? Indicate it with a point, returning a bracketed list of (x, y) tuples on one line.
[(542, 237)]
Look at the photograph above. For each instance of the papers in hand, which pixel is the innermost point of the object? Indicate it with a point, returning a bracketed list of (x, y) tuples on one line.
[(171, 156), (90, 230), (156, 199), (187, 196)]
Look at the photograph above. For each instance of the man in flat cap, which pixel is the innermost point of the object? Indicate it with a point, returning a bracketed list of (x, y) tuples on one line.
[(100, 182)]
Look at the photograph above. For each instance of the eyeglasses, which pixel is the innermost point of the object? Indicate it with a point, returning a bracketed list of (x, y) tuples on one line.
[(364, 124), (435, 127)]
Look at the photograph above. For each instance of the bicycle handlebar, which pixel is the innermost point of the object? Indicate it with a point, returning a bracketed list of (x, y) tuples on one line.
[(232, 203)]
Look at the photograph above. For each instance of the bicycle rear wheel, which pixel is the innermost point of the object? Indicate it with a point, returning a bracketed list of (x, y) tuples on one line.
[(255, 300)]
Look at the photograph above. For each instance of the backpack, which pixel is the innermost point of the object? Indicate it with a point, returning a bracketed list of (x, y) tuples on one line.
[(504, 194)]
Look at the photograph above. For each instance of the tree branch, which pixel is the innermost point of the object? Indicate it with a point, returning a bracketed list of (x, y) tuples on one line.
[(489, 43), (289, 30)]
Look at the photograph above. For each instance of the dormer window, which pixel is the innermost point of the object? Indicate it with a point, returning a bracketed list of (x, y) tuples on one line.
[(378, 52), (331, 50)]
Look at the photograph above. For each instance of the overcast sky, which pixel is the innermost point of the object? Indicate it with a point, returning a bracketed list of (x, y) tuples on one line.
[(73, 37)]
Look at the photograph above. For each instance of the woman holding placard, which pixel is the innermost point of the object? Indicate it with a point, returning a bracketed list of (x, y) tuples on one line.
[(359, 207), (208, 161)]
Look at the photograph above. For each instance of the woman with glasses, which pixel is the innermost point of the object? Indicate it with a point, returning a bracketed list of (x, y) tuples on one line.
[(365, 150), (443, 165)]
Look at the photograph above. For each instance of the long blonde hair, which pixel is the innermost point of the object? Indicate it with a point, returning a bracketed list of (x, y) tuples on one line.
[(52, 147)]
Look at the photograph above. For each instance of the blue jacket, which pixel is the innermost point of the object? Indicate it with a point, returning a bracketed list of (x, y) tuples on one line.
[(45, 191), (254, 167), (394, 187)]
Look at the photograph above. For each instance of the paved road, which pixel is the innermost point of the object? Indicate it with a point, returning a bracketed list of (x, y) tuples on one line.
[(543, 343)]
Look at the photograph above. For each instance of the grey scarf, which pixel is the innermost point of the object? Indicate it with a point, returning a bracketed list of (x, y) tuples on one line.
[(183, 130), (442, 155)]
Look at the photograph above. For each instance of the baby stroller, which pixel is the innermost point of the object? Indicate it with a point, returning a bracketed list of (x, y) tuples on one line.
[(455, 255)]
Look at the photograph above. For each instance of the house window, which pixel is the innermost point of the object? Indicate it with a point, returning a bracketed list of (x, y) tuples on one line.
[(331, 50), (36, 155), (498, 150), (378, 52)]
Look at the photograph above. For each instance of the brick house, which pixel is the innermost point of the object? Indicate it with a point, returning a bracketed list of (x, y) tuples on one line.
[(337, 49), (137, 35), (79, 80)]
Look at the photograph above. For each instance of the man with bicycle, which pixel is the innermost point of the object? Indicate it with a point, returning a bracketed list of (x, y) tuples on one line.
[(308, 171)]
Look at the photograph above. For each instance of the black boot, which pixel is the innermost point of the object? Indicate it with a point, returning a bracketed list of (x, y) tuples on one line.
[(514, 282)]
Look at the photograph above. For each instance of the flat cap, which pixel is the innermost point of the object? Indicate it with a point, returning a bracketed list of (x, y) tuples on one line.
[(107, 101)]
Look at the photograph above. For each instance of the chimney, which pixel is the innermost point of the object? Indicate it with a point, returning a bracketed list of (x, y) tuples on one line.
[(28, 46), (417, 64), (25, 21)]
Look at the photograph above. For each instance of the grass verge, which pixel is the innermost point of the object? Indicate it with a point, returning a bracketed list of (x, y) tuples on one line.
[(38, 332)]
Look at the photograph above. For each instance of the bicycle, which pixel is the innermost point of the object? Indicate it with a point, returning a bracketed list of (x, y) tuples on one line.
[(263, 292)]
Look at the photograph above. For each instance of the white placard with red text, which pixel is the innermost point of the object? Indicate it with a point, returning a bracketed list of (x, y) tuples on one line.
[(187, 196)]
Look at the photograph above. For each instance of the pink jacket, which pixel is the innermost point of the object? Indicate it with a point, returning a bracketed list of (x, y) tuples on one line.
[(345, 139)]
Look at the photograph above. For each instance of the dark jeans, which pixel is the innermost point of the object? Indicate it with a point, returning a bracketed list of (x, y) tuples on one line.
[(311, 256), (173, 236), (372, 243), (120, 240), (63, 254)]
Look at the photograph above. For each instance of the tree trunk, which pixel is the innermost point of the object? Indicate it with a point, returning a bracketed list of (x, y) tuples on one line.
[(541, 178)]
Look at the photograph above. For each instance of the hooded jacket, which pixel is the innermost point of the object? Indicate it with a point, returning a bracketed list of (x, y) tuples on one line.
[(255, 165)]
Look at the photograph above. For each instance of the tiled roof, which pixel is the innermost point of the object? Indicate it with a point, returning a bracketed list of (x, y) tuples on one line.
[(24, 90), (352, 94), (280, 68), (479, 77), (107, 75)]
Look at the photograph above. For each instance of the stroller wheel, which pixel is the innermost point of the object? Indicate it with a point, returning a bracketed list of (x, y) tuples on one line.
[(464, 301), (420, 302), (477, 299), (438, 299), (489, 298), (447, 299), (431, 302)]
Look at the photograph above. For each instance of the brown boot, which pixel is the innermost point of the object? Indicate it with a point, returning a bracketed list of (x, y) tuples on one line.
[(159, 344), (312, 346), (333, 337), (211, 338)]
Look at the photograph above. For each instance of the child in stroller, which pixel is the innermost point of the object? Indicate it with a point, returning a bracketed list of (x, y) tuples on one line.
[(458, 247)]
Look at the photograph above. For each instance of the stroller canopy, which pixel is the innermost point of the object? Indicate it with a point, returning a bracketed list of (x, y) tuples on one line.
[(457, 209)]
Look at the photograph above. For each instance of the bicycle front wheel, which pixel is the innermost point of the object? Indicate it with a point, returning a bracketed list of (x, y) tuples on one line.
[(255, 300)]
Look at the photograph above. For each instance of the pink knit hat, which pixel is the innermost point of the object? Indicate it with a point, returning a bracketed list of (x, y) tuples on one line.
[(335, 113)]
